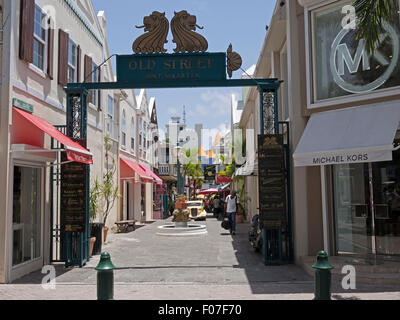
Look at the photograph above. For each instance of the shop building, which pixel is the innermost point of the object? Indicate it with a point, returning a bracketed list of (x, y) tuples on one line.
[(353, 100), (140, 185), (342, 109), (46, 44)]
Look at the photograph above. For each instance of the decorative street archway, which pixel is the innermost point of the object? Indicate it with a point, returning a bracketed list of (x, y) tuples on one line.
[(189, 67)]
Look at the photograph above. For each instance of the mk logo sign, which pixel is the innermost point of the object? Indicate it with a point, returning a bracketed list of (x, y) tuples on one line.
[(341, 58)]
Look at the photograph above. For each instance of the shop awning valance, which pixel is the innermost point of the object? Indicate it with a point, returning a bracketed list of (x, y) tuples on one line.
[(351, 135), (152, 174), (129, 170), (74, 151)]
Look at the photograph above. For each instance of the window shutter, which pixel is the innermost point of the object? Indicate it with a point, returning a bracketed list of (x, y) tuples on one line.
[(78, 64), (99, 92), (50, 53), (88, 70), (26, 30), (63, 39)]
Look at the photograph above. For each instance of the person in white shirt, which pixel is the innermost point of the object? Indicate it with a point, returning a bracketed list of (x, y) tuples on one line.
[(231, 208)]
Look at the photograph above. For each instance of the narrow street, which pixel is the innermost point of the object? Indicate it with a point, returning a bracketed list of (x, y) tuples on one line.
[(214, 266)]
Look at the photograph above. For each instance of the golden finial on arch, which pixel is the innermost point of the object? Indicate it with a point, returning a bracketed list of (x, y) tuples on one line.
[(156, 27), (183, 26)]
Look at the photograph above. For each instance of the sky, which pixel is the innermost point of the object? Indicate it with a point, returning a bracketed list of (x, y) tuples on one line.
[(242, 23)]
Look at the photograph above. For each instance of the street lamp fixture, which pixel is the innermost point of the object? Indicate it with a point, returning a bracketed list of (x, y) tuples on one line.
[(178, 148)]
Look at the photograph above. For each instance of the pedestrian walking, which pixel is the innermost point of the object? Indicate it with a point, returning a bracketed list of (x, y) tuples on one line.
[(218, 207), (231, 208)]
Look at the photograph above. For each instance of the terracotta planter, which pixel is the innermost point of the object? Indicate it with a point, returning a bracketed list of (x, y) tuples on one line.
[(105, 231), (92, 241)]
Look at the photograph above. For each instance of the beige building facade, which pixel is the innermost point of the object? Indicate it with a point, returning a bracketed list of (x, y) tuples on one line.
[(342, 108), (45, 45)]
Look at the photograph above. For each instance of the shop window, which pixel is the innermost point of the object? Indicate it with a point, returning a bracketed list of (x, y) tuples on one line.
[(133, 134), (341, 65), (110, 116), (95, 78), (39, 39), (351, 202), (386, 190), (110, 107), (123, 142), (72, 61), (27, 215), (362, 225)]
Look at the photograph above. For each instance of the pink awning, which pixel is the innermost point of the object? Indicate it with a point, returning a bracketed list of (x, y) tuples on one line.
[(209, 191), (130, 168), (151, 173), (24, 120)]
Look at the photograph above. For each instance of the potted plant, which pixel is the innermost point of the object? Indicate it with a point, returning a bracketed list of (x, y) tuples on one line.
[(108, 188), (243, 198)]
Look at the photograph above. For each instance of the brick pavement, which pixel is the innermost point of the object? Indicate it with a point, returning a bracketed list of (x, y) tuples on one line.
[(215, 266)]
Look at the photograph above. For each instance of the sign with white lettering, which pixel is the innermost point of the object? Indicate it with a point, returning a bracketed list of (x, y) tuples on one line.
[(171, 67), (22, 105), (342, 65)]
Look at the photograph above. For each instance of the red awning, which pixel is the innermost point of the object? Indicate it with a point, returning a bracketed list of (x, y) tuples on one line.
[(224, 179), (75, 152), (130, 168), (151, 173)]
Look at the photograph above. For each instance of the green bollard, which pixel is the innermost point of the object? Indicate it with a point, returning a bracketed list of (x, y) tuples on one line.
[(322, 277), (105, 278)]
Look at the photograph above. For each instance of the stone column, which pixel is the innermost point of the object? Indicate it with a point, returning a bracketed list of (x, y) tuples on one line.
[(295, 32)]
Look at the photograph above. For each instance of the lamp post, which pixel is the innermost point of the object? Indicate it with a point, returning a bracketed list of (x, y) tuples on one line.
[(178, 148)]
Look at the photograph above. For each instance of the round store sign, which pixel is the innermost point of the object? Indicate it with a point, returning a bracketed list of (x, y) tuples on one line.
[(354, 69)]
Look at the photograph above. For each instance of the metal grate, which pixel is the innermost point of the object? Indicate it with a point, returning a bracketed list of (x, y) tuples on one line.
[(55, 180)]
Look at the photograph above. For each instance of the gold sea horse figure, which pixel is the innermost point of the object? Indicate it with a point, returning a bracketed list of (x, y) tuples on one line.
[(183, 26), (157, 27)]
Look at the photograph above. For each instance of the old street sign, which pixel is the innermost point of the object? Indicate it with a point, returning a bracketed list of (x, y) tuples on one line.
[(272, 180), (179, 67)]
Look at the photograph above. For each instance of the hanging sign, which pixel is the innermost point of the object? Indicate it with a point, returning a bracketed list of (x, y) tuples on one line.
[(73, 196), (272, 180), (209, 173), (178, 67)]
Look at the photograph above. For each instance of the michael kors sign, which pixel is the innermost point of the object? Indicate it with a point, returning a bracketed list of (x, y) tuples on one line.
[(167, 67)]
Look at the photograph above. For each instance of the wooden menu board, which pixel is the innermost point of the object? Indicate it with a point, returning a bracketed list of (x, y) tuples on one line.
[(73, 196), (272, 180)]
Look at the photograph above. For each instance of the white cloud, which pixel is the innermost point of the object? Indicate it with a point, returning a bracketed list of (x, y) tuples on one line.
[(214, 102)]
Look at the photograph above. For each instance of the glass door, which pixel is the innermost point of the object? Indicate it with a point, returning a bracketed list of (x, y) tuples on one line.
[(353, 219), (27, 215), (386, 188)]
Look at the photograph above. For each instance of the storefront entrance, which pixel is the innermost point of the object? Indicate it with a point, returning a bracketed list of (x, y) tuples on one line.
[(367, 207), (27, 222)]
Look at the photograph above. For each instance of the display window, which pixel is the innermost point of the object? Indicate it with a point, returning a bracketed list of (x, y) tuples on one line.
[(367, 207), (341, 65)]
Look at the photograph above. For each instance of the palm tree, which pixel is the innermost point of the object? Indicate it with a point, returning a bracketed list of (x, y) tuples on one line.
[(193, 170), (372, 15)]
